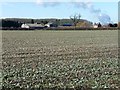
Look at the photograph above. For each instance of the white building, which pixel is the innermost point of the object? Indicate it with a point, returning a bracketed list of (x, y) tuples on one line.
[(50, 24), (25, 26), (32, 26), (95, 26)]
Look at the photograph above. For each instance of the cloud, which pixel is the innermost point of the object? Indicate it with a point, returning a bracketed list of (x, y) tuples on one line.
[(102, 17), (45, 3), (39, 1)]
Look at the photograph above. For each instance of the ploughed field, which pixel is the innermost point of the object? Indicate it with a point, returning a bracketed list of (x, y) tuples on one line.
[(60, 59)]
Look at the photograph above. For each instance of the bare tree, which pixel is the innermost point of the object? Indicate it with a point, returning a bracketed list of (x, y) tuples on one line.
[(75, 18)]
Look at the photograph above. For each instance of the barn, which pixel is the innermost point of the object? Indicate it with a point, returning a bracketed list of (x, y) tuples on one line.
[(32, 26), (50, 24)]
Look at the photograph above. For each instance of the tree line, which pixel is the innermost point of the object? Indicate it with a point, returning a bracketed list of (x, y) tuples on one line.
[(17, 22)]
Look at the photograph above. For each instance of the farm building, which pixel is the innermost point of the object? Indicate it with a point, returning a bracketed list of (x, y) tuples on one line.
[(51, 25), (67, 24), (97, 25), (32, 26)]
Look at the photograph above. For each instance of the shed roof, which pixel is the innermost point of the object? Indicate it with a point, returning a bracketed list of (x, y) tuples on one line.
[(35, 25)]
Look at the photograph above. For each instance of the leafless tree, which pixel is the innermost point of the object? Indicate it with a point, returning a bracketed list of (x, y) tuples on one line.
[(75, 18)]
